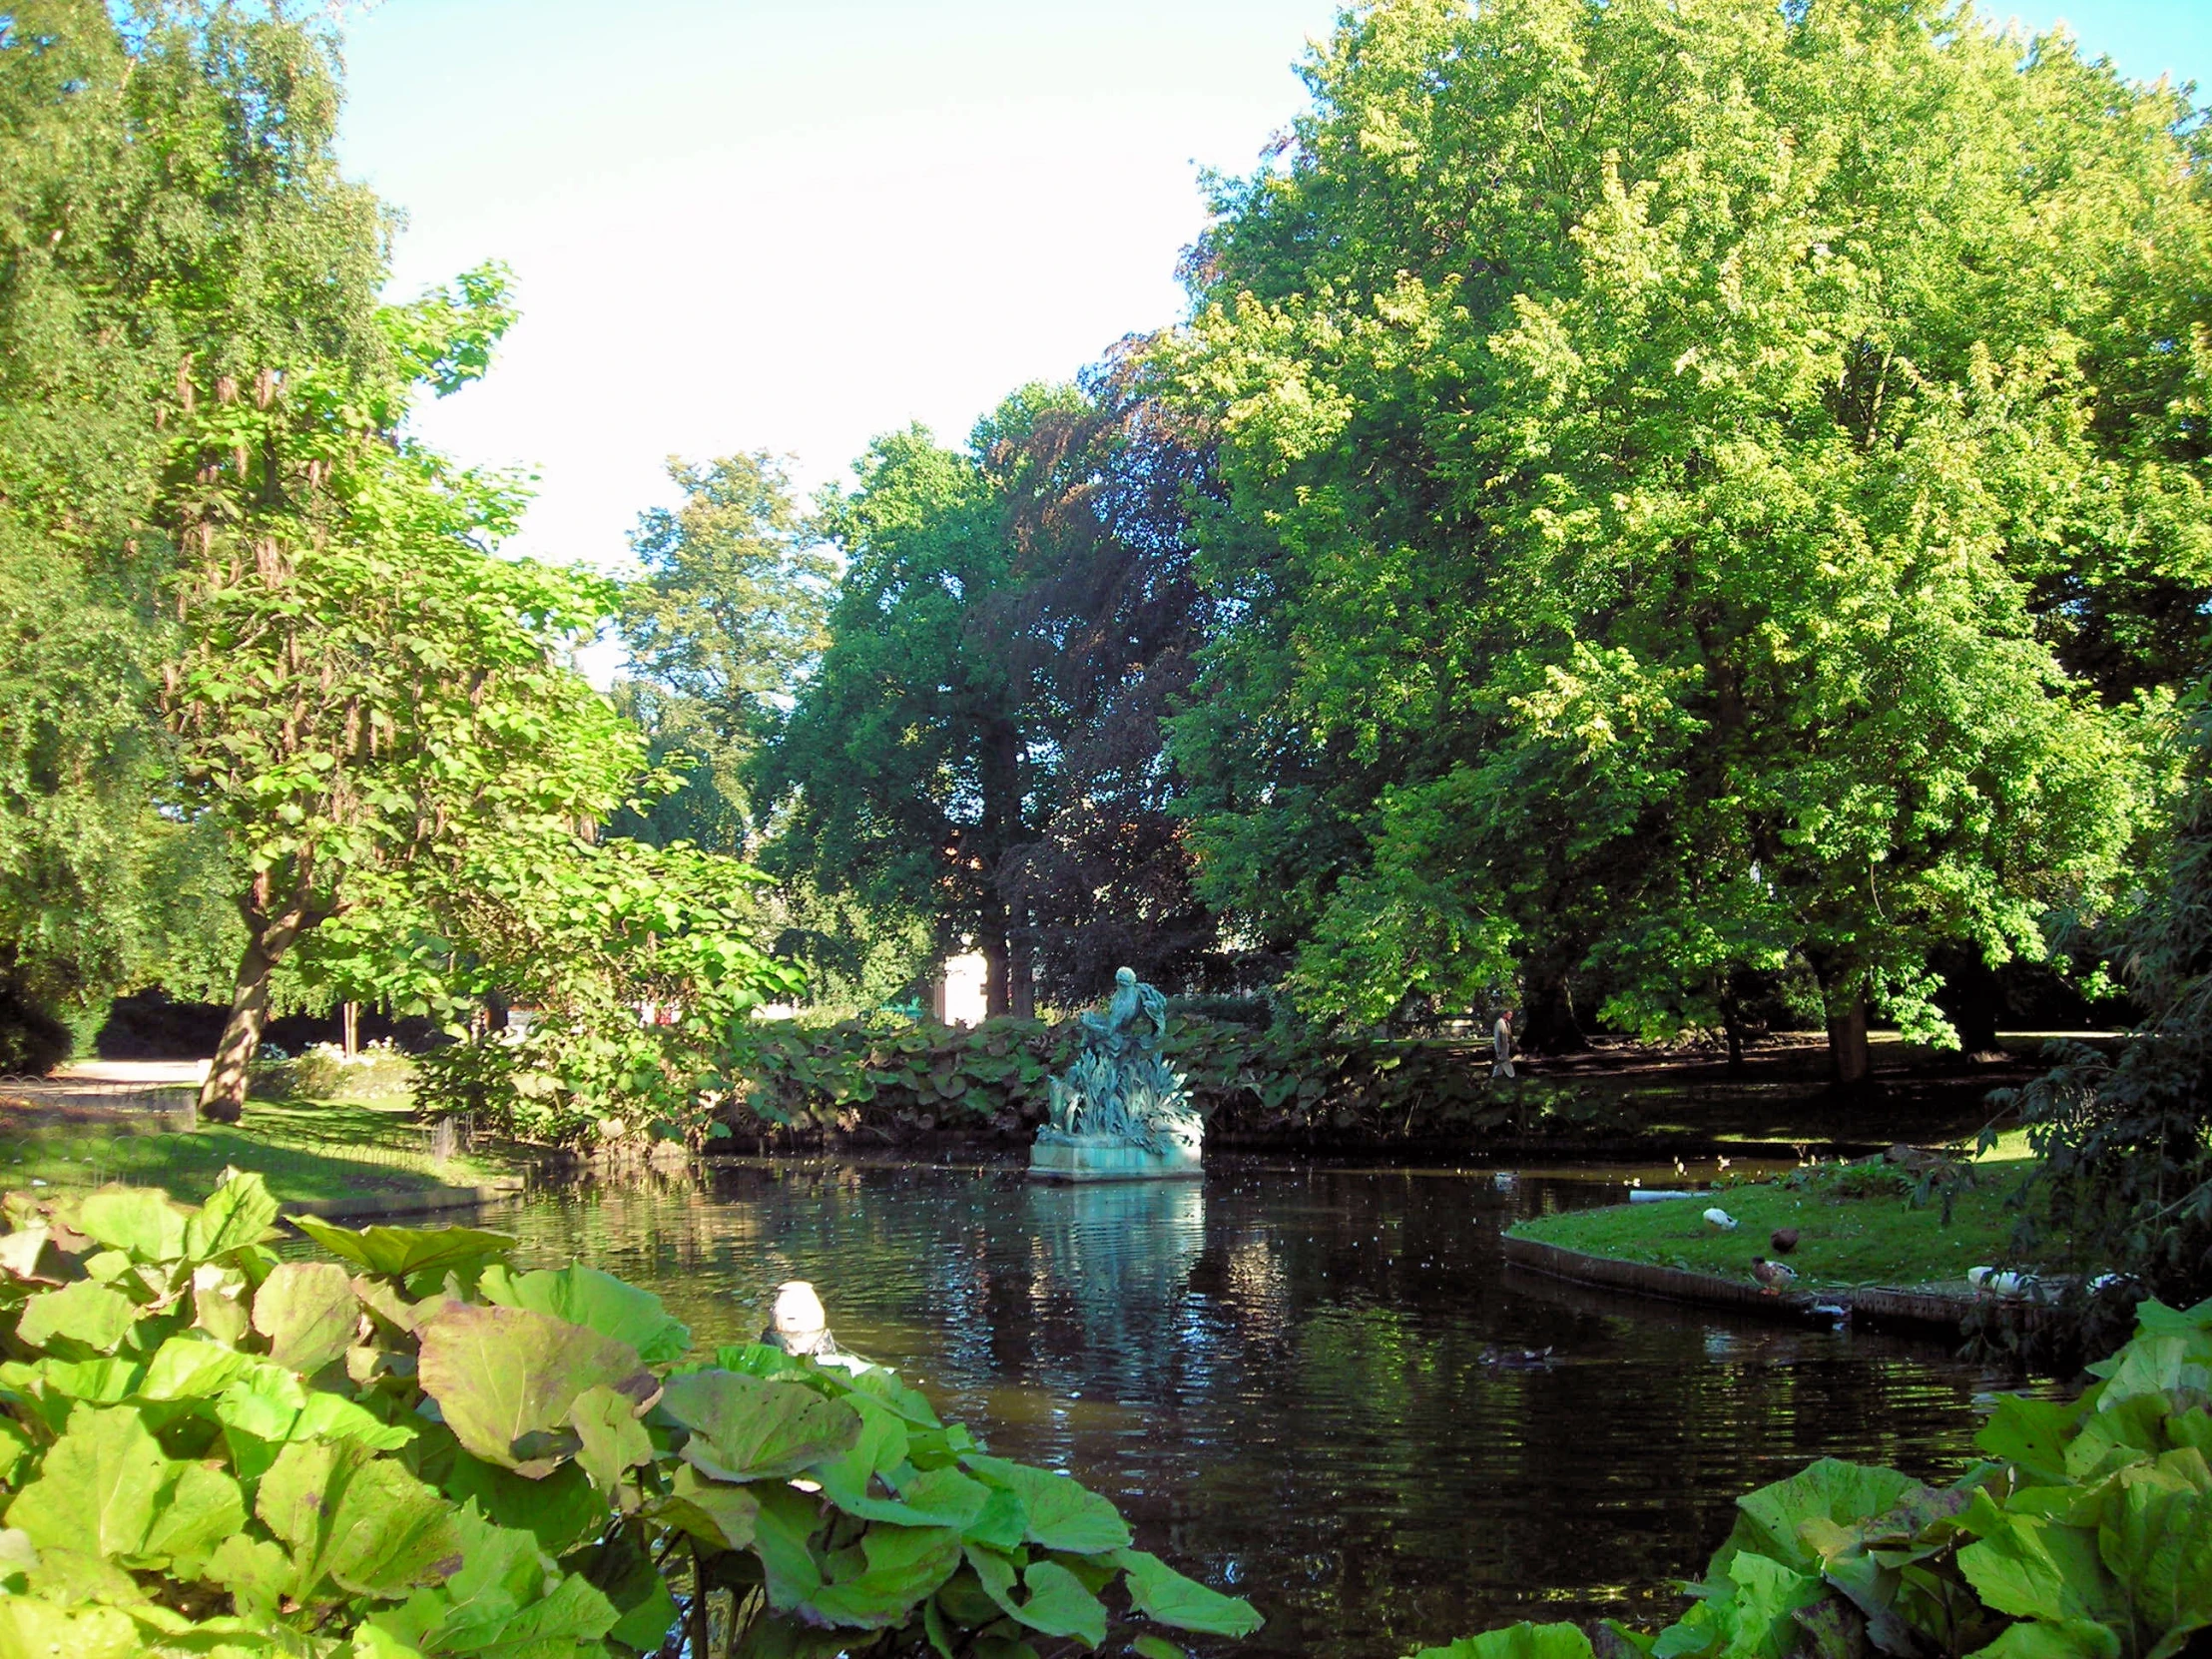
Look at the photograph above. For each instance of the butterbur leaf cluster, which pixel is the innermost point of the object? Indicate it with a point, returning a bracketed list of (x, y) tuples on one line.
[(2086, 1533), (1292, 1084), (412, 1448)]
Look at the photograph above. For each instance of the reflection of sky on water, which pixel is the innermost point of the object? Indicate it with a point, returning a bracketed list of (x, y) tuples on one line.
[(1280, 1373)]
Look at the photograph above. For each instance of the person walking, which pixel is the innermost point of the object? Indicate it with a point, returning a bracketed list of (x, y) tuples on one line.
[(1501, 1043)]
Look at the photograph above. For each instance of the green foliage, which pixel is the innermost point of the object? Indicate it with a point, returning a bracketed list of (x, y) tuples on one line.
[(324, 1071), (423, 1453), (2086, 1533), (2125, 1188), (730, 619), (1674, 457), (586, 941), (170, 198), (891, 1080)]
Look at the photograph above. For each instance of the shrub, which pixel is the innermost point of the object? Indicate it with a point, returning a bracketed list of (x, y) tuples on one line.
[(32, 1041), (324, 1071), (2087, 1535), (415, 1450)]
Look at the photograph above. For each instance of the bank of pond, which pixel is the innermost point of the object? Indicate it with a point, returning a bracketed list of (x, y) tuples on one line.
[(1315, 1398)]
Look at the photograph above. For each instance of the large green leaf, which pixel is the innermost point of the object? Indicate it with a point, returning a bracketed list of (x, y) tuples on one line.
[(142, 1222), (85, 1314), (1056, 1601), (1061, 1514), (1157, 1591), (2030, 1433), (359, 1520), (32, 1629), (612, 1440), (1518, 1641), (500, 1374), (2036, 1568), (190, 1368), (561, 1511), (716, 1513), (1829, 1490), (751, 1428), (2156, 1539), (239, 1212), (309, 1312), (900, 1566), (505, 1599), (585, 1296), (403, 1252), (2034, 1639), (107, 1488)]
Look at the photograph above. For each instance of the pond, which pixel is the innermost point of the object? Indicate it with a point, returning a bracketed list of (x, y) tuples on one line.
[(1280, 1372)]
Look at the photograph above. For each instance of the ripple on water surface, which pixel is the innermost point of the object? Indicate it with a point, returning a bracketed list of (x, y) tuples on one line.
[(1280, 1373)]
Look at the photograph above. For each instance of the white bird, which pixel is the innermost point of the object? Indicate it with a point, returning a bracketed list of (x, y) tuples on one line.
[(1721, 1219)]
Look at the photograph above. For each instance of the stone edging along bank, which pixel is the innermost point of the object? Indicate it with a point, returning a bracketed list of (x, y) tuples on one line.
[(380, 1206), (1878, 1306)]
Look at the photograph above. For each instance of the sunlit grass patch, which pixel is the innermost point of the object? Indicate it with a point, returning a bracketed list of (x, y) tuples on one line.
[(1856, 1223)]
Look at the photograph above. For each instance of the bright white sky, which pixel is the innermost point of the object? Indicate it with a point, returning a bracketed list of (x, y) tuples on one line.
[(793, 224)]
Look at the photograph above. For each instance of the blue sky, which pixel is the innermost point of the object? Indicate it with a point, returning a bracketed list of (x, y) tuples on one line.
[(739, 225)]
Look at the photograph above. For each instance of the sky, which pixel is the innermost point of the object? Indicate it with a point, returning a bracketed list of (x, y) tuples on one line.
[(736, 224)]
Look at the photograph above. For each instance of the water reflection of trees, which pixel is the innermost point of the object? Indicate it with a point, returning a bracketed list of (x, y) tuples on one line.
[(1281, 1375)]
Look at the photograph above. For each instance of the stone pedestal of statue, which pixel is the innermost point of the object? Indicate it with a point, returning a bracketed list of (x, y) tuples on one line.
[(1105, 1158)]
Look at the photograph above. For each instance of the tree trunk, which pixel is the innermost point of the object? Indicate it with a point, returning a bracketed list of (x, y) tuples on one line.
[(223, 1095), (1847, 1043), (1732, 1023), (1021, 979), (350, 1028), (1547, 1025)]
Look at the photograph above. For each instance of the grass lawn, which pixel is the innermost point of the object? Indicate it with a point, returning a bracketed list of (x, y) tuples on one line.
[(1856, 1226), (304, 1149)]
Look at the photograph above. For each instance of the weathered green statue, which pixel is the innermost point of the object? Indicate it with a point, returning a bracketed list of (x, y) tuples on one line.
[(1120, 1092)]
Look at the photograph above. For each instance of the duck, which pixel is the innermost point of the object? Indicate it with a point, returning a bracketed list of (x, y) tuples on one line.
[(1774, 1276), (1784, 1240), (1721, 1219), (1515, 1359)]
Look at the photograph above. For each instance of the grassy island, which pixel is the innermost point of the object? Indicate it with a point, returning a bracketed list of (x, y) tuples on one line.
[(1858, 1225)]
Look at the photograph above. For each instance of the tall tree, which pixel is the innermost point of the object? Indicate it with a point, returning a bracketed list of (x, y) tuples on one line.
[(165, 199), (1710, 480), (728, 623), (983, 747), (904, 771), (1097, 492), (366, 688)]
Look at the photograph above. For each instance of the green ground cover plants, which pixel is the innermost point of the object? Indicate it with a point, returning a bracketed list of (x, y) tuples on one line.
[(2085, 1534), (1858, 1225), (409, 1449)]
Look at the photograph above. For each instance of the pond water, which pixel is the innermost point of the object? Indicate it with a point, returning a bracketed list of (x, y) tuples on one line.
[(1279, 1374)]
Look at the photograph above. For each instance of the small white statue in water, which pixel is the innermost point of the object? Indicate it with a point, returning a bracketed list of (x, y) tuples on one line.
[(798, 1323)]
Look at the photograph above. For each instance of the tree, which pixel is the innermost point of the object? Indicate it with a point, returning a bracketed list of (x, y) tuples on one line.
[(165, 198), (727, 625), (365, 686), (1713, 484), (983, 746), (903, 770), (1097, 493)]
